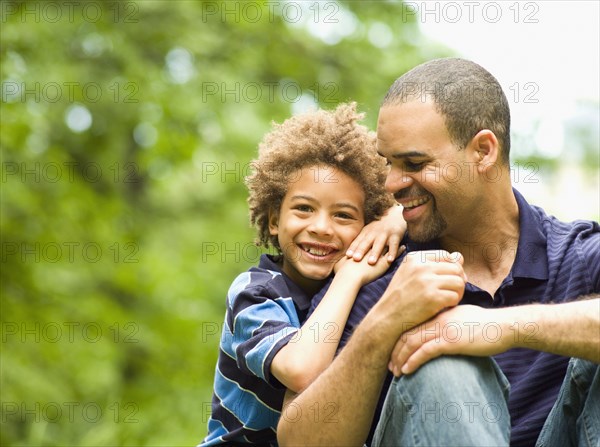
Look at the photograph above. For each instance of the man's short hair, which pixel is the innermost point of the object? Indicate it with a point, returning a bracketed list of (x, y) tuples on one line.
[(468, 97)]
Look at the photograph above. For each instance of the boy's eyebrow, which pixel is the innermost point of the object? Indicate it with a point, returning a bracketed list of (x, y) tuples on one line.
[(302, 197), (338, 204), (347, 205), (398, 156)]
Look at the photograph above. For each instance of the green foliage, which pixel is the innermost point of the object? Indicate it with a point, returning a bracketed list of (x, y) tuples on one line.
[(120, 239)]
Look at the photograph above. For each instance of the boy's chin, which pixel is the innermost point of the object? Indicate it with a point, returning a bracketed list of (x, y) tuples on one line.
[(319, 276)]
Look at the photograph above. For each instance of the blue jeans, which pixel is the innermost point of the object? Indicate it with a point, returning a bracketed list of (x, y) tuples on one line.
[(462, 401), (575, 417)]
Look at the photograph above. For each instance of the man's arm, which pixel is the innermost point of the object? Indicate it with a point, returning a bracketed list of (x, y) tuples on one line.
[(570, 329), (337, 408)]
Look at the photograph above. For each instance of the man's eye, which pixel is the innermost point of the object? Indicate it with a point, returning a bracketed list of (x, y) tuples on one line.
[(410, 166)]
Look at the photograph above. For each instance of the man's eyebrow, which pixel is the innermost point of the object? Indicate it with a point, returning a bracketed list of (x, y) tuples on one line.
[(410, 154)]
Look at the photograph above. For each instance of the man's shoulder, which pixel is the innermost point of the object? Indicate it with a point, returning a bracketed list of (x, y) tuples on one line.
[(585, 233), (556, 232), (378, 285), (572, 246)]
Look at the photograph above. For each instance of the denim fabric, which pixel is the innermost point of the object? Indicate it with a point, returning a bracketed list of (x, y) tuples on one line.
[(575, 417), (452, 400), (462, 401)]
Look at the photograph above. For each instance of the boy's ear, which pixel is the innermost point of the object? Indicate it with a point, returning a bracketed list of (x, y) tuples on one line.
[(273, 223)]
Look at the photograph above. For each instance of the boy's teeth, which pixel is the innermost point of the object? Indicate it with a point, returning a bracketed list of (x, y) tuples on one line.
[(416, 202), (316, 251)]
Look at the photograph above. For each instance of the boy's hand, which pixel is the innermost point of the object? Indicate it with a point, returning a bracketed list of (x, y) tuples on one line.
[(379, 234), (364, 270)]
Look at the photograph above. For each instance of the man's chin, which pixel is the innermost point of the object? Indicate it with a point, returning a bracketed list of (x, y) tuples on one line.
[(419, 238), (424, 234)]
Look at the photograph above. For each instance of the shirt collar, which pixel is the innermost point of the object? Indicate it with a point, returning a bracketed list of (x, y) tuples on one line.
[(532, 259), (299, 296)]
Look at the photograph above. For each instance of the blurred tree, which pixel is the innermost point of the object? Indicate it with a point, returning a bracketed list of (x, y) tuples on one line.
[(127, 129)]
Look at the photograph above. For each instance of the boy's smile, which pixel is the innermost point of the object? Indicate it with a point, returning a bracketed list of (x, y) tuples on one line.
[(321, 214)]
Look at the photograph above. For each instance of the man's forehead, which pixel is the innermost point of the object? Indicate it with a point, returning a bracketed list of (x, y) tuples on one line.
[(395, 120), (409, 129), (411, 108)]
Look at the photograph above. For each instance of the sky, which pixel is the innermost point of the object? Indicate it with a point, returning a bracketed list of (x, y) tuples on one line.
[(545, 54)]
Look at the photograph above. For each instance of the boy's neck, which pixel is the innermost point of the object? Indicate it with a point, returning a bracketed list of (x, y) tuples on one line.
[(308, 286)]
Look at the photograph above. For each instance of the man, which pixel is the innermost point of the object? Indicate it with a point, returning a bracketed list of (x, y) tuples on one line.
[(444, 128)]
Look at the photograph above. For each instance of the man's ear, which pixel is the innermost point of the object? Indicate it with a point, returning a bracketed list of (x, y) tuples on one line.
[(485, 148), (273, 222)]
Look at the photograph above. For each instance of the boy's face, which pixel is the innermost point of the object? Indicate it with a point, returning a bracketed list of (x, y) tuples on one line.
[(321, 213)]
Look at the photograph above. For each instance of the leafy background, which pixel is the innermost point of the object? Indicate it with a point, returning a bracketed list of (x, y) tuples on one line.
[(127, 129)]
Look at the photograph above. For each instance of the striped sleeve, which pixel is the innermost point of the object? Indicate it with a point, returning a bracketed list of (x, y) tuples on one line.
[(259, 325)]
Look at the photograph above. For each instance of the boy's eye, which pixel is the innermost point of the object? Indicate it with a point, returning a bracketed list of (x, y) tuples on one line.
[(344, 216), (303, 208)]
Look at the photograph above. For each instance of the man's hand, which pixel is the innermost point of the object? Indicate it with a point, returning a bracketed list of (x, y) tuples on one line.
[(466, 329), (425, 283)]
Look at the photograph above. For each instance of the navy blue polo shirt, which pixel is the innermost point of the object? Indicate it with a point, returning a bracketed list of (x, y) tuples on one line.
[(555, 262), (265, 308)]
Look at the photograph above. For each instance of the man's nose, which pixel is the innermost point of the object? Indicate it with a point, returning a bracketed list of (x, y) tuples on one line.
[(397, 180)]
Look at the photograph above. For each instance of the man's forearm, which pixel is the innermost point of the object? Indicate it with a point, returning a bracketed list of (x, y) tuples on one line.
[(338, 407), (350, 387), (569, 329)]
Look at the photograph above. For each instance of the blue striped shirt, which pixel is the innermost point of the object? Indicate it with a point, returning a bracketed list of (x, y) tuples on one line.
[(555, 262), (264, 311)]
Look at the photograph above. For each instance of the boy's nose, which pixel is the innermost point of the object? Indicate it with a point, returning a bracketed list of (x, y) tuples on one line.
[(321, 224)]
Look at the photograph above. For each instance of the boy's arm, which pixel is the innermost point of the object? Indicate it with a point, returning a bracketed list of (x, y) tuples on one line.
[(346, 392), (312, 349), (374, 237)]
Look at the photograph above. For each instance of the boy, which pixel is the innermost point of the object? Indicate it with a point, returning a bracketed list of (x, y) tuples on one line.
[(318, 180)]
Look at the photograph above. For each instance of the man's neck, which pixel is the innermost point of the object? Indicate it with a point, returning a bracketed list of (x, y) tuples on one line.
[(489, 245)]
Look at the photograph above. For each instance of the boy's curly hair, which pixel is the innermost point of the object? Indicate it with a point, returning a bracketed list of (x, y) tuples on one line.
[(320, 138)]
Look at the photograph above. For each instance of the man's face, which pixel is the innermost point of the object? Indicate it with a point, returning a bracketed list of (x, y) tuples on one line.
[(429, 175)]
